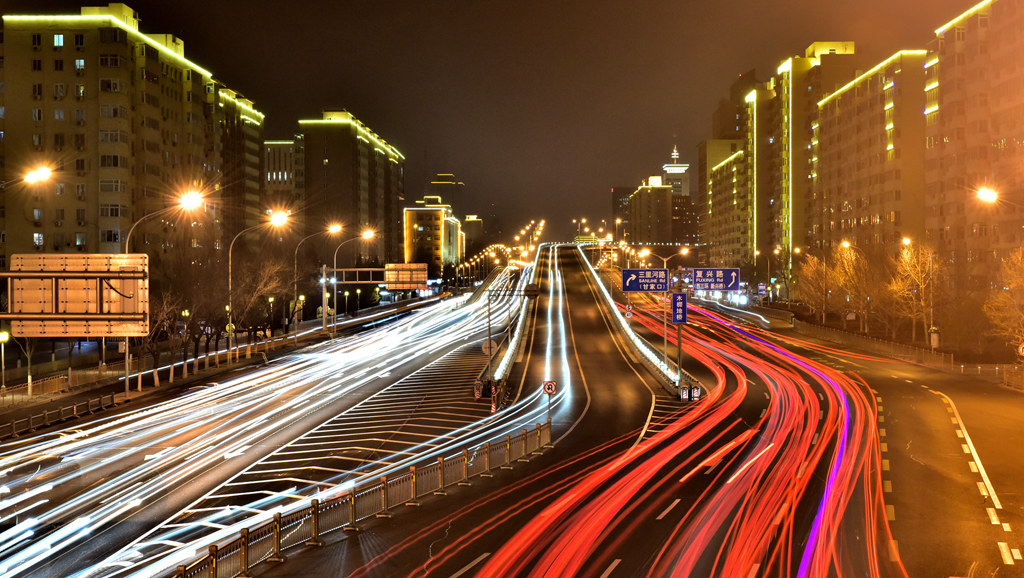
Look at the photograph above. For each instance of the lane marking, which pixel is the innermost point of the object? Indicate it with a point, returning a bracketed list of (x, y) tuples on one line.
[(611, 567), (992, 516), (1016, 554), (960, 434), (981, 468), (894, 550), (880, 408), (881, 432), (471, 564), (881, 419), (890, 513), (982, 489), (887, 486), (966, 449), (753, 570), (1004, 551), (885, 447), (953, 420), (1006, 527), (973, 466), (885, 465), (668, 509)]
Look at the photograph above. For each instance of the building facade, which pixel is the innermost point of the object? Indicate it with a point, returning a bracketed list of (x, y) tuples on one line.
[(128, 124), (650, 213), (353, 177), (433, 235), (868, 159)]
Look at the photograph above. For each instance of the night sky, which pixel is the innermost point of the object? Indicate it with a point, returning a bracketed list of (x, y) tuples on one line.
[(538, 106)]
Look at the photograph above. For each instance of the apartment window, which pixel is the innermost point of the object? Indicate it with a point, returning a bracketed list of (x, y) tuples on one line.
[(58, 40), (80, 163), (58, 114), (37, 65), (110, 85), (59, 189), (113, 161), (79, 65), (59, 90), (3, 236), (37, 114), (80, 191), (113, 136), (79, 40), (37, 40), (80, 116), (113, 210), (37, 239), (3, 111), (37, 214), (58, 65), (111, 186), (58, 141), (113, 111), (79, 239), (37, 140), (110, 60), (37, 91), (79, 91), (80, 215), (110, 236)]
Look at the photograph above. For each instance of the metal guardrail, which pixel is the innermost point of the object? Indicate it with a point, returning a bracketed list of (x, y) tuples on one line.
[(880, 346), (1014, 377), (305, 526), (50, 417)]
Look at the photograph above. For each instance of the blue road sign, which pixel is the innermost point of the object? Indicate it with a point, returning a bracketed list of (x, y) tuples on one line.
[(639, 280), (709, 279), (679, 308), (761, 291)]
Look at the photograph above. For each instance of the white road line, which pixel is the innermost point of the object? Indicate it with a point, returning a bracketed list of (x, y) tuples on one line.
[(881, 432), (974, 453), (814, 440), (982, 489), (885, 465), (992, 516), (890, 513), (966, 449), (612, 567), (960, 434), (469, 567), (973, 466), (894, 550), (1006, 527), (668, 509), (885, 447), (887, 486), (1016, 554), (1004, 551)]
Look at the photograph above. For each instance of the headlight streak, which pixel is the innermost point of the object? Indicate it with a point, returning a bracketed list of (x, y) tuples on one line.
[(475, 320), (231, 414)]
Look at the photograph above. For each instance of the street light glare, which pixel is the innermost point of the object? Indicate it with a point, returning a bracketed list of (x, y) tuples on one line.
[(334, 229), (906, 240), (644, 252), (988, 195), (684, 251), (278, 218), (38, 175), (190, 200), (846, 244), (368, 234)]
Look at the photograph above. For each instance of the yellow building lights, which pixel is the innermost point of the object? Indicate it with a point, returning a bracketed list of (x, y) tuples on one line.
[(869, 73), (98, 19), (974, 10), (364, 133)]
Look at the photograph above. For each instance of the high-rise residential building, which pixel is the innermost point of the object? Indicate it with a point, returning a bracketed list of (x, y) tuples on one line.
[(650, 213), (868, 159), (355, 178), (792, 108), (473, 229), (128, 123), (730, 216), (433, 235), (284, 175), (451, 190), (974, 121)]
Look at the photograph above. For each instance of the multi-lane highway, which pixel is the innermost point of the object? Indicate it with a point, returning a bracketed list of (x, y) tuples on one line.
[(798, 459)]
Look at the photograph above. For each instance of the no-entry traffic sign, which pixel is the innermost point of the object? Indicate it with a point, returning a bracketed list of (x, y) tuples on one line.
[(549, 387)]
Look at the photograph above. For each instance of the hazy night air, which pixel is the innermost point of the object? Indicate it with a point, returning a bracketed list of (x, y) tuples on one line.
[(539, 107)]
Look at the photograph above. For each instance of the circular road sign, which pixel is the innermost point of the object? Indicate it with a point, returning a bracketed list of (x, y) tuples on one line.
[(629, 314), (489, 347), (549, 387), (230, 327), (1020, 349), (629, 306)]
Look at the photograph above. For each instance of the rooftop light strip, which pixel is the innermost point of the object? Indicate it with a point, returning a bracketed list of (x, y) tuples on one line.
[(242, 105), (116, 22), (871, 72), (974, 10), (727, 161)]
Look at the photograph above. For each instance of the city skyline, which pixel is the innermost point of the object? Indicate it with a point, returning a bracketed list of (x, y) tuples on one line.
[(479, 90)]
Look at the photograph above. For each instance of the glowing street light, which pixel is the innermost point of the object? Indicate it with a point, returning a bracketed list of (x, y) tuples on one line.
[(330, 230), (277, 219), (364, 236), (988, 195)]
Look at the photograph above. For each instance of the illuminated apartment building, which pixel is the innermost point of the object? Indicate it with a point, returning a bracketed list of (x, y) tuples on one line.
[(793, 94), (729, 216), (352, 177), (284, 178), (128, 123), (451, 190), (650, 213), (432, 235), (974, 121), (868, 159)]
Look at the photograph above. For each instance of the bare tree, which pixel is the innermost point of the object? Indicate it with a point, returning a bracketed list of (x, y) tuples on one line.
[(163, 316), (814, 285), (913, 286), (1005, 305)]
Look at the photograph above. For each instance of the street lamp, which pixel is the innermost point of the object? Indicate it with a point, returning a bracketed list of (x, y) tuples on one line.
[(359, 293), (4, 338), (270, 325), (333, 229), (347, 308), (276, 220), (364, 236), (36, 175), (189, 201)]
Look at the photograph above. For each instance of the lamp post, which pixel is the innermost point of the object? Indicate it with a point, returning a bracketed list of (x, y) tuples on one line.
[(4, 337), (359, 293), (365, 236), (277, 219), (270, 323), (333, 229), (189, 201)]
